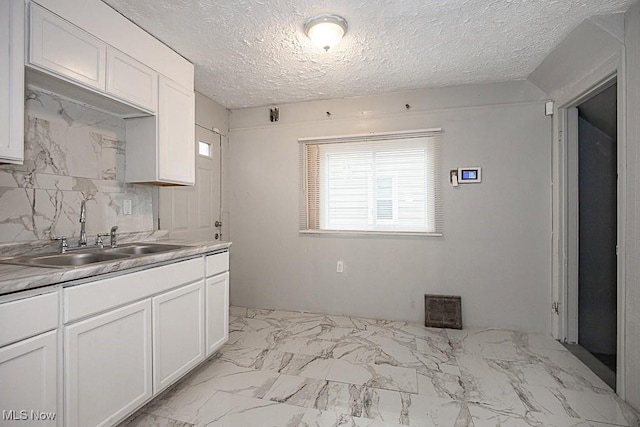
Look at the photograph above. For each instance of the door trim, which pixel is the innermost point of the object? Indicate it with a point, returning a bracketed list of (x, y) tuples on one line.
[(605, 75), (573, 224)]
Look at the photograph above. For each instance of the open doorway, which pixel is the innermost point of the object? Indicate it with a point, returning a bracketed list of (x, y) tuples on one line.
[(595, 232)]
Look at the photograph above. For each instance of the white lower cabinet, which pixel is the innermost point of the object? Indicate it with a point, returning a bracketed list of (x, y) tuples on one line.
[(28, 382), (178, 333), (29, 356), (124, 339), (108, 365), (217, 311)]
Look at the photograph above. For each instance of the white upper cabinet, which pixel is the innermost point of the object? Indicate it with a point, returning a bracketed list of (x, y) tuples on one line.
[(96, 56), (176, 133), (12, 81), (103, 22), (59, 49), (56, 45), (161, 149), (131, 80), (95, 47)]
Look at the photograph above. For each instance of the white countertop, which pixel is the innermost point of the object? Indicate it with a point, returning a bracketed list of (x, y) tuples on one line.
[(16, 278)]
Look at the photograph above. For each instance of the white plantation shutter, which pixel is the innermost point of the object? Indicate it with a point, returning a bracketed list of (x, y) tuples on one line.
[(372, 183)]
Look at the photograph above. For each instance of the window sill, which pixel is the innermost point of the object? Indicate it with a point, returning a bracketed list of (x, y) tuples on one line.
[(369, 233)]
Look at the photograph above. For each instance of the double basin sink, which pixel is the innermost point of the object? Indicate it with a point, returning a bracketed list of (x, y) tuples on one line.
[(80, 257)]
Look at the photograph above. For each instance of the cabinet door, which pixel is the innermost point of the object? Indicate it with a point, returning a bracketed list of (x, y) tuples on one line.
[(131, 80), (12, 81), (176, 133), (107, 367), (217, 311), (28, 375), (178, 333), (66, 50)]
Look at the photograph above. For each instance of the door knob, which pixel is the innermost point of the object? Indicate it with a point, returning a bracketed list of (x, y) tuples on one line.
[(218, 224)]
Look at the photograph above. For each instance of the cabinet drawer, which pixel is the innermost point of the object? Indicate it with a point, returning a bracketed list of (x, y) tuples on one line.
[(66, 50), (218, 263), (28, 317), (131, 80), (94, 297)]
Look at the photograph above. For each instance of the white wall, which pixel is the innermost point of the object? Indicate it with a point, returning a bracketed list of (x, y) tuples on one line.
[(495, 252), (211, 115)]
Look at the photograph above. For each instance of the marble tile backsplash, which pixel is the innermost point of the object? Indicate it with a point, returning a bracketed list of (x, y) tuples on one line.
[(72, 153)]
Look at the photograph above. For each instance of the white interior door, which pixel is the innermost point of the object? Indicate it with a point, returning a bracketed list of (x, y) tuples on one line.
[(194, 212)]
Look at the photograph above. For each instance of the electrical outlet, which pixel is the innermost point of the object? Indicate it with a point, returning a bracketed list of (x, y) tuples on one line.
[(340, 267), (126, 207)]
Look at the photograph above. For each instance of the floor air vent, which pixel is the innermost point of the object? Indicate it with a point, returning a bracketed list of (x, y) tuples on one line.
[(443, 311)]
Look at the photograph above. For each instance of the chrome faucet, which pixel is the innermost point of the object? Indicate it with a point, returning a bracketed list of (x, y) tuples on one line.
[(64, 246), (113, 236), (83, 219)]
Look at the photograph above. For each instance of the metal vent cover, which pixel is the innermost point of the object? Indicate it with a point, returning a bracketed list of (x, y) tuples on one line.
[(443, 311)]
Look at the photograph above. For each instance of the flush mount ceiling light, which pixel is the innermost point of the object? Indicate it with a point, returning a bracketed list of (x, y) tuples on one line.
[(326, 31)]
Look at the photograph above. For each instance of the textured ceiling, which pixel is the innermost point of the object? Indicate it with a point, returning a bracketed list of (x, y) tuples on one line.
[(254, 52)]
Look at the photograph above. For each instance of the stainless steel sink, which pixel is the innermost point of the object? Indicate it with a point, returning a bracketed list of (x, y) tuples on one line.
[(80, 257), (74, 259), (144, 248)]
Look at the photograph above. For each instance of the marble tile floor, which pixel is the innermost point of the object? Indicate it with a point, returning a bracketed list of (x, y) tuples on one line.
[(283, 368), (604, 372)]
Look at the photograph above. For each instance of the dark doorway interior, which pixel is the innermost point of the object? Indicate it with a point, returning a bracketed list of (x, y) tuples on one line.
[(597, 272)]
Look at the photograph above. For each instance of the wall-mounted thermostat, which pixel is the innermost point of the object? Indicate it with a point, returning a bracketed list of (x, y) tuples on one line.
[(468, 175)]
